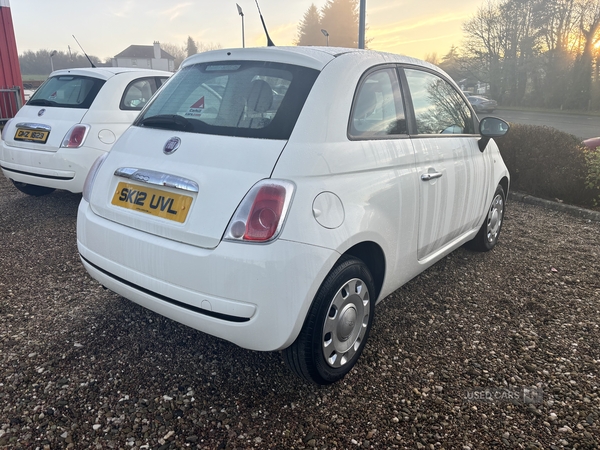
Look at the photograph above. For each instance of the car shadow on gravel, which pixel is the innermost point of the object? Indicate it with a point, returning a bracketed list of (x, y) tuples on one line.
[(21, 212), (151, 350)]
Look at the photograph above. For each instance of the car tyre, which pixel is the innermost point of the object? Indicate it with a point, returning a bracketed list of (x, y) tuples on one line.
[(337, 326), (32, 189), (487, 237)]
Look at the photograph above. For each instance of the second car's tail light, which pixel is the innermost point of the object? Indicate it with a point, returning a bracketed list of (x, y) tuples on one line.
[(261, 215), (5, 130), (76, 136)]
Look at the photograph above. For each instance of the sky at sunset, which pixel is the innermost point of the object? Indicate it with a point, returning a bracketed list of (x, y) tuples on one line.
[(105, 28)]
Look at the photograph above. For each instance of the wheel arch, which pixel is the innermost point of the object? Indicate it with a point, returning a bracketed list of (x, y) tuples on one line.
[(505, 184), (372, 255)]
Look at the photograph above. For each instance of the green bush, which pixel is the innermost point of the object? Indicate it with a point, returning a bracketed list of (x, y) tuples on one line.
[(551, 164)]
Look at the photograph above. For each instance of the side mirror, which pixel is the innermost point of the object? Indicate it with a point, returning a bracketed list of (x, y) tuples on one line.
[(491, 127)]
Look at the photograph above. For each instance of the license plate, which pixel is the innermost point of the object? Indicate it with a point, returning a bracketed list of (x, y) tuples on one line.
[(155, 202), (23, 134)]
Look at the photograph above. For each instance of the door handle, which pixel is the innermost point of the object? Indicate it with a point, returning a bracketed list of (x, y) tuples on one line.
[(431, 176)]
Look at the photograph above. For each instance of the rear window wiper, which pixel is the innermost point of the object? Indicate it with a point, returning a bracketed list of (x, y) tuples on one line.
[(168, 121), (41, 102)]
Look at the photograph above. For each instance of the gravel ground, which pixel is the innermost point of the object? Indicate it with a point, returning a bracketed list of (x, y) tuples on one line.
[(83, 368)]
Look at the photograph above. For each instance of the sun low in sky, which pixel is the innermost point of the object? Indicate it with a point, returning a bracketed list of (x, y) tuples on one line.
[(108, 27)]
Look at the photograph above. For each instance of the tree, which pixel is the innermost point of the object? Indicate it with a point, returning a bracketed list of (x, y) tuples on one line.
[(483, 44), (589, 13), (556, 24), (191, 47), (340, 19), (554, 20), (450, 63), (309, 30), (519, 48), (206, 47), (432, 58), (537, 52), (180, 52), (176, 51), (502, 43), (38, 63)]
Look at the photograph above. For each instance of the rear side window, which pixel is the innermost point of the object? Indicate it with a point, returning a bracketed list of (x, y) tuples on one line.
[(232, 98), (139, 91), (439, 108), (378, 110), (67, 91)]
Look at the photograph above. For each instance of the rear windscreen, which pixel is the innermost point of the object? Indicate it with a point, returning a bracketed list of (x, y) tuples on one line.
[(239, 98), (67, 91)]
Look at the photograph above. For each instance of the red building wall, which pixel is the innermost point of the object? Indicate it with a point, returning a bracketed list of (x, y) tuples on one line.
[(10, 72)]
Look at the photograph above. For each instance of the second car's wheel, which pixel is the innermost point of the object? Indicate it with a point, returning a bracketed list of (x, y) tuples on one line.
[(487, 237), (337, 326), (32, 189)]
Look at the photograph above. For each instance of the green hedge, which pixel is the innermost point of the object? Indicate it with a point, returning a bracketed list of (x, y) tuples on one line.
[(550, 164)]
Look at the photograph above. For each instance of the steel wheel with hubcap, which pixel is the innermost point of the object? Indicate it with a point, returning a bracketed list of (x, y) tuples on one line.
[(487, 237), (337, 326)]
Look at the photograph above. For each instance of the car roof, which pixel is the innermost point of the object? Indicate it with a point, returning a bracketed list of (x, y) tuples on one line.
[(105, 73), (313, 57)]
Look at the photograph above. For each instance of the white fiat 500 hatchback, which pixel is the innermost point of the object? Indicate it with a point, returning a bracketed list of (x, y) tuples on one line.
[(272, 196), (72, 119)]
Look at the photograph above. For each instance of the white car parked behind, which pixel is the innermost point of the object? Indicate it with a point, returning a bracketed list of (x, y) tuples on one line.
[(70, 120), (272, 196)]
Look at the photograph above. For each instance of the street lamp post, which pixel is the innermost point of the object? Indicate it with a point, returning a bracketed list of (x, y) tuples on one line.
[(52, 63), (326, 34), (361, 23), (241, 13)]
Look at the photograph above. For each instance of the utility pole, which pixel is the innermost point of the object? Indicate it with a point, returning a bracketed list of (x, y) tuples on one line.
[(362, 24)]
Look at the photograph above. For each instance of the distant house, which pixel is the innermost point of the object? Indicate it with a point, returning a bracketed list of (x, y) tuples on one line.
[(473, 86), (145, 57)]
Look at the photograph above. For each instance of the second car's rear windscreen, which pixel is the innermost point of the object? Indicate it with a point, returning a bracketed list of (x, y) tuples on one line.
[(67, 91)]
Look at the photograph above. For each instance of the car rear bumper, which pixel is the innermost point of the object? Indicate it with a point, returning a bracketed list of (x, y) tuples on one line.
[(64, 169), (255, 296)]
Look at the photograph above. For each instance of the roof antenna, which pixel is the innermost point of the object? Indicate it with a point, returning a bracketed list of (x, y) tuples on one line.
[(88, 58), (269, 41)]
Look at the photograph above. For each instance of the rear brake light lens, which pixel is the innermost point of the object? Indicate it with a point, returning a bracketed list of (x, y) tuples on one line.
[(76, 136), (265, 213), (5, 129), (261, 215)]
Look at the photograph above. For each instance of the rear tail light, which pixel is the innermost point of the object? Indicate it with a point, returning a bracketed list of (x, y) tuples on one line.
[(5, 129), (76, 136), (261, 215)]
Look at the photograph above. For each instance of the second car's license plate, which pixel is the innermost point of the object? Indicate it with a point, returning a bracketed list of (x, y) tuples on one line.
[(152, 201), (23, 134)]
